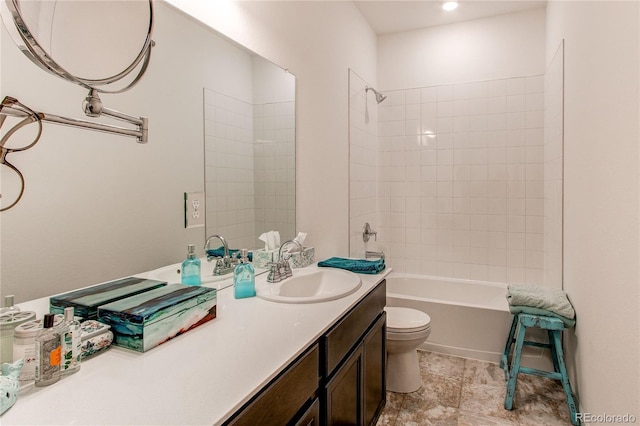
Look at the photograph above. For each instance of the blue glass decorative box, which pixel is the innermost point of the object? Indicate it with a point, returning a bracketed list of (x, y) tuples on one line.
[(86, 300), (149, 319)]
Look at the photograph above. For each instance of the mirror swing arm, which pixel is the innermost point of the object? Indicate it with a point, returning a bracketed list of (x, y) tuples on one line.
[(93, 108)]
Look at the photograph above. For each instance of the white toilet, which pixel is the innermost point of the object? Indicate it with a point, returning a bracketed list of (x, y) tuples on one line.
[(406, 330)]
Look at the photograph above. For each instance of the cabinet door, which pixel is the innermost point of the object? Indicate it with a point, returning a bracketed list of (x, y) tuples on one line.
[(343, 393), (311, 417), (373, 366), (279, 402)]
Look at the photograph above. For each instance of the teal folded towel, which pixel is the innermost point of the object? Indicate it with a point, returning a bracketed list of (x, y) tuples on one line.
[(219, 252), (549, 299), (359, 266), (515, 309)]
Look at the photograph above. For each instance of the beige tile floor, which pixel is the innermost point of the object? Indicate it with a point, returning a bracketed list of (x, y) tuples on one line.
[(466, 392)]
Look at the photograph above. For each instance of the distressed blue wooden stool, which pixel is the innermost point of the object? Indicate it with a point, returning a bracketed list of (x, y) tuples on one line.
[(554, 327)]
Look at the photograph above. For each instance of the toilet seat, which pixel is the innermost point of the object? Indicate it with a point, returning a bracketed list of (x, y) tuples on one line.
[(406, 320)]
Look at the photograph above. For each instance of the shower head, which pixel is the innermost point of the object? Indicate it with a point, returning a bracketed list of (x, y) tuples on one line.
[(379, 96)]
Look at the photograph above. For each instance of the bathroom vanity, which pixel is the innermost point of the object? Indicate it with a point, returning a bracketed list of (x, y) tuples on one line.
[(258, 362), (340, 379)]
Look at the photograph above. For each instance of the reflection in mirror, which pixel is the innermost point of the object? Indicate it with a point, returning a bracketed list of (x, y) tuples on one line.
[(82, 187), (250, 158)]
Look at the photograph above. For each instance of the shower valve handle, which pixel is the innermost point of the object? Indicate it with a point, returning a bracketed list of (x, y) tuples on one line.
[(367, 232)]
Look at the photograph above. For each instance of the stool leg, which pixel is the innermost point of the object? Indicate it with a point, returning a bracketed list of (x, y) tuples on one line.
[(556, 345), (504, 359), (554, 354), (515, 368)]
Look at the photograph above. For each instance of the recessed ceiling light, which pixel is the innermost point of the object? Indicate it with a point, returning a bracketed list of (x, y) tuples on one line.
[(450, 5)]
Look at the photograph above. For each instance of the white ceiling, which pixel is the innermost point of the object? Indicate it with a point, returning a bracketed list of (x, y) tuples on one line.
[(391, 16)]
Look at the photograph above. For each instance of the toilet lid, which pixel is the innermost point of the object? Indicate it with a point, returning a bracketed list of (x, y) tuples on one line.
[(406, 320)]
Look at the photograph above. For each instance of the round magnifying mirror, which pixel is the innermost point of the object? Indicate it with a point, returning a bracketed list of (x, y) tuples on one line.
[(92, 43)]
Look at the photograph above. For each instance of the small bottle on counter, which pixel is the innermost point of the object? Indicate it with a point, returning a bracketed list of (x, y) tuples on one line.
[(7, 314), (48, 353), (71, 343), (24, 346), (244, 278), (190, 272), (8, 306)]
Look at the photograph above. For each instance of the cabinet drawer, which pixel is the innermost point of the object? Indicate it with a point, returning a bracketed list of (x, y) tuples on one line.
[(339, 340), (283, 398)]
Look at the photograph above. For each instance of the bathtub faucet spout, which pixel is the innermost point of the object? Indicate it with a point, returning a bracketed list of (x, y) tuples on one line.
[(368, 254)]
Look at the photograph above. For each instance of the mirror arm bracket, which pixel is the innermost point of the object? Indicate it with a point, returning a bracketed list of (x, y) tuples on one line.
[(141, 133)]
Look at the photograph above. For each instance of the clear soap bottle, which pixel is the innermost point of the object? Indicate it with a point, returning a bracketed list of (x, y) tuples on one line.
[(71, 343), (48, 353), (244, 278), (190, 274), (8, 305)]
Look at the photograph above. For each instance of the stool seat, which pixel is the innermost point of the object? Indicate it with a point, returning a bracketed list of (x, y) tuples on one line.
[(554, 327)]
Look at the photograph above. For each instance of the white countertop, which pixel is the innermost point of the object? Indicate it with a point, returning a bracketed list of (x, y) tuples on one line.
[(198, 378)]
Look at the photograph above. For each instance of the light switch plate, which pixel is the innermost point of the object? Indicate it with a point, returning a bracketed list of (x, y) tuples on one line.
[(193, 209)]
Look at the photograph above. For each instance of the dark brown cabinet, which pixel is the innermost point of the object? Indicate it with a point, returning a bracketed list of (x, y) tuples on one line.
[(353, 361), (311, 416), (279, 402), (373, 372), (355, 395), (339, 380)]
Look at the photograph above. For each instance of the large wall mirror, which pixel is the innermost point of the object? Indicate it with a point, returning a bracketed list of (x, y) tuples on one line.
[(250, 158), (97, 207)]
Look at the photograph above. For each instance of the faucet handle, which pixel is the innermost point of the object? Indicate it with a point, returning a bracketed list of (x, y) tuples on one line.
[(286, 267), (274, 273), (367, 231)]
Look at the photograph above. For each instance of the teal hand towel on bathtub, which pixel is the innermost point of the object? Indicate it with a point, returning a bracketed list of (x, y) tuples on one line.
[(359, 266), (549, 299)]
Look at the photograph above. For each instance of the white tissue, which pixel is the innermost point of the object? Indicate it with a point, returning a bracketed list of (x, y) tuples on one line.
[(293, 248), (271, 240)]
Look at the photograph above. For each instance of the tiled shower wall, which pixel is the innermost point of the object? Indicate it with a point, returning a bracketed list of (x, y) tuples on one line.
[(249, 169), (229, 169), (461, 180), (274, 169)]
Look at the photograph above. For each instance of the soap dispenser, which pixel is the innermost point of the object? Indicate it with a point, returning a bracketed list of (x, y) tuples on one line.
[(190, 272), (244, 278)]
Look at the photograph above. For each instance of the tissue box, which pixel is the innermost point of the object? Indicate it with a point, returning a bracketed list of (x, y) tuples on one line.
[(86, 301), (302, 259), (146, 320), (262, 257)]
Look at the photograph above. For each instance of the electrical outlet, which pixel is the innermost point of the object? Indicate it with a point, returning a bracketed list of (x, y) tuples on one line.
[(193, 209)]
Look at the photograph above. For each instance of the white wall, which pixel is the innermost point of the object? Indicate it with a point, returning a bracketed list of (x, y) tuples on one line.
[(363, 164), (601, 191), (484, 49)]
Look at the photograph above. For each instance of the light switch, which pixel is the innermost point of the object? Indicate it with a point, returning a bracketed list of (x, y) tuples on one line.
[(193, 209)]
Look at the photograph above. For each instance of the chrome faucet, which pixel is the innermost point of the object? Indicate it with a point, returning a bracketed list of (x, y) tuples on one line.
[(225, 264), (368, 254), (281, 269)]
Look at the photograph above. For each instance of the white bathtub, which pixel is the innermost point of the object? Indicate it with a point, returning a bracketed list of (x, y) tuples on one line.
[(468, 318)]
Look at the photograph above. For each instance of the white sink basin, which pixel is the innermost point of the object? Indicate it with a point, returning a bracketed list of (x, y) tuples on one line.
[(310, 286)]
